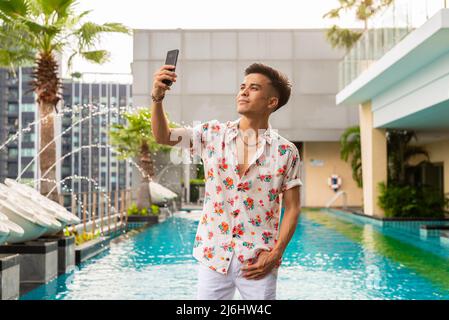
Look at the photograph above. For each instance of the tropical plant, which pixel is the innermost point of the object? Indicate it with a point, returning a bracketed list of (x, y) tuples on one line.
[(83, 237), (363, 11), (155, 210), (411, 201), (399, 153), (35, 33), (135, 139), (144, 212), (350, 147), (398, 198), (133, 210)]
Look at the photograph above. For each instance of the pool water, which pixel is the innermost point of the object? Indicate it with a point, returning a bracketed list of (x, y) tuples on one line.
[(329, 257)]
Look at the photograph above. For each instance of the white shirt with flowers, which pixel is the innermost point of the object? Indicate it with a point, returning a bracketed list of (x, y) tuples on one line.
[(240, 215)]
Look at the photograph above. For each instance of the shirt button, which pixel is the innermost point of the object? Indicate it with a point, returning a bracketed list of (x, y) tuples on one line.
[(234, 235), (227, 259)]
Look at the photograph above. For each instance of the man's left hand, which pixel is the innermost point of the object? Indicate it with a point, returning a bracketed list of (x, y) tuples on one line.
[(263, 266)]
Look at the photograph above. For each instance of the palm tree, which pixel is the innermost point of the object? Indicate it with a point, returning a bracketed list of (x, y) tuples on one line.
[(364, 10), (135, 139), (350, 147), (34, 33), (399, 153)]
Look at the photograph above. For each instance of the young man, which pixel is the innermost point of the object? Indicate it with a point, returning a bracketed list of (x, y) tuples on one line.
[(250, 171)]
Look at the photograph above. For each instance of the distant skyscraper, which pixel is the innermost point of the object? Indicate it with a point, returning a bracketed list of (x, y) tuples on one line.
[(17, 105), (98, 107), (99, 167)]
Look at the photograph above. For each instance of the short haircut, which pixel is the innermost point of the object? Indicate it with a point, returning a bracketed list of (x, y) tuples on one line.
[(278, 80)]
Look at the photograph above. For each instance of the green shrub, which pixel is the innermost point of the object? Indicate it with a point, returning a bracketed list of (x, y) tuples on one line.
[(194, 188), (133, 210), (83, 237), (144, 212), (197, 181), (410, 201), (155, 209)]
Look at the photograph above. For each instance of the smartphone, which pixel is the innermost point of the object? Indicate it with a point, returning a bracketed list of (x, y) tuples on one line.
[(172, 58)]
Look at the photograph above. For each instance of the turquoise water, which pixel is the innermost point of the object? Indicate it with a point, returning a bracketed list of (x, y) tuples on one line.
[(329, 257)]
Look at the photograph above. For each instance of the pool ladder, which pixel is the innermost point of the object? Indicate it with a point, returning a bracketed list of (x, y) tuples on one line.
[(336, 196)]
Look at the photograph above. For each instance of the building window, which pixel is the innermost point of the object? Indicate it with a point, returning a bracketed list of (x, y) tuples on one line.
[(29, 137), (13, 107), (28, 107), (27, 152), (12, 152), (13, 94)]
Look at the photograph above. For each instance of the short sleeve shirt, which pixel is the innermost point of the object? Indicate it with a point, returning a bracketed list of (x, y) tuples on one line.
[(240, 215)]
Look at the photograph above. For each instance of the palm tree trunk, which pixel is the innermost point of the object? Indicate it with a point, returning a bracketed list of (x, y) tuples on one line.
[(146, 163), (48, 156), (46, 84)]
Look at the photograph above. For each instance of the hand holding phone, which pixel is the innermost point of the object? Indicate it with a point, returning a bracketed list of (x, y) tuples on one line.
[(165, 76), (171, 59)]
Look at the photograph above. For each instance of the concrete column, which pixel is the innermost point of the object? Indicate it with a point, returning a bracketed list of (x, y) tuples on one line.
[(374, 160)]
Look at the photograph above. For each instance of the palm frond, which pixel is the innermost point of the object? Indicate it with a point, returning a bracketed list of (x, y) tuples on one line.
[(13, 9), (60, 7), (95, 56), (342, 38), (412, 151), (89, 32)]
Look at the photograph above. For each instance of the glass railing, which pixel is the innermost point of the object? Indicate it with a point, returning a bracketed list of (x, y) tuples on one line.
[(386, 29)]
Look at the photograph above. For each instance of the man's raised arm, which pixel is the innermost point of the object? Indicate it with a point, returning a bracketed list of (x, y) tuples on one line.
[(159, 121)]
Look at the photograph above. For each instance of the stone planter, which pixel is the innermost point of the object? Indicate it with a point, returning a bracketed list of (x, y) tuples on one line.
[(38, 262), (66, 253), (9, 276)]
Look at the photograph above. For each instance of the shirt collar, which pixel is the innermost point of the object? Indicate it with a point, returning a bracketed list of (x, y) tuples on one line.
[(233, 130)]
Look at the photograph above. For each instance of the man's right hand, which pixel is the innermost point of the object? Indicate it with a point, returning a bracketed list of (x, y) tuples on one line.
[(163, 73)]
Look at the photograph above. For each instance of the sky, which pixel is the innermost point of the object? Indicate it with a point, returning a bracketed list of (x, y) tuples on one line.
[(196, 14)]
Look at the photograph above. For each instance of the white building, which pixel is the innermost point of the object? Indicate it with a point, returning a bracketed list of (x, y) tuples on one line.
[(403, 85)]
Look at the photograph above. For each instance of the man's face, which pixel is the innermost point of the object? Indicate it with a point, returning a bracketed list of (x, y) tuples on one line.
[(256, 95)]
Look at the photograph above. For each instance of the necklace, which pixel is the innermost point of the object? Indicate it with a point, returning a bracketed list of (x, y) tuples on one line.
[(246, 144)]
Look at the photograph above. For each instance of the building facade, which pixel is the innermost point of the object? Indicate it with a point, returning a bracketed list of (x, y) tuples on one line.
[(17, 112)]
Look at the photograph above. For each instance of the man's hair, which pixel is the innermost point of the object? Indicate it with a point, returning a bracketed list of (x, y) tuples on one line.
[(278, 80)]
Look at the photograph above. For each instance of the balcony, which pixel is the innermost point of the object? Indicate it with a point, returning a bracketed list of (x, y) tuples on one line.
[(386, 30)]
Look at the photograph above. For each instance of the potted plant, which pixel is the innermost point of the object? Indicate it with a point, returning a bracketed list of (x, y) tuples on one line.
[(135, 139)]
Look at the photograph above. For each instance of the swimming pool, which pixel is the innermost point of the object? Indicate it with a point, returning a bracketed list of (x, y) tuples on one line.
[(331, 256)]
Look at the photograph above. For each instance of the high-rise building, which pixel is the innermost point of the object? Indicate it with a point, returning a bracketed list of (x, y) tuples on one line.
[(17, 112), (89, 111), (85, 160)]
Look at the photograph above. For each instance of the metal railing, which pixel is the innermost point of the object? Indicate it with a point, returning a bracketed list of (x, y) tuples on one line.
[(104, 211), (335, 198), (385, 30)]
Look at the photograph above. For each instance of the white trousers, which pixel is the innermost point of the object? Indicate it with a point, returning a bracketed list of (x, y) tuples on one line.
[(213, 285)]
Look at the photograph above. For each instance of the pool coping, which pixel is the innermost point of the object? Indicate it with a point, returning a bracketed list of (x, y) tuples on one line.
[(89, 249), (397, 219), (427, 227)]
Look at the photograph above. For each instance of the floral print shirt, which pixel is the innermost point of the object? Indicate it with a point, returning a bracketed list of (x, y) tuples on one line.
[(240, 215)]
